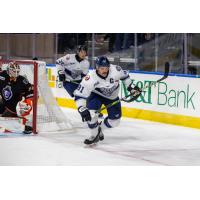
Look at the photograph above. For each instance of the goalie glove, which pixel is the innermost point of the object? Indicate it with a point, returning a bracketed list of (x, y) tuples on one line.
[(24, 107), (61, 76), (135, 91)]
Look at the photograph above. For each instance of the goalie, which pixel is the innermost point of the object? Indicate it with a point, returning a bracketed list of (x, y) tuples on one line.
[(15, 95)]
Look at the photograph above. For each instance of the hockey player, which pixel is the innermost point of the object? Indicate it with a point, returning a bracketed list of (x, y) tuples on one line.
[(16, 93), (72, 68), (101, 86)]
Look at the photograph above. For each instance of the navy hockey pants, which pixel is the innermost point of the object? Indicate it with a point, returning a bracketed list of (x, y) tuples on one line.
[(95, 102)]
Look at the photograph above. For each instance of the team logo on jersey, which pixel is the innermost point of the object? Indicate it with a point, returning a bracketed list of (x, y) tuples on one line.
[(108, 91), (2, 78), (87, 77), (7, 93), (74, 74)]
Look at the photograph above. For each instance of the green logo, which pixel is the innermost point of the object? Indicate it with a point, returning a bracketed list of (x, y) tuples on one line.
[(165, 96), (175, 98)]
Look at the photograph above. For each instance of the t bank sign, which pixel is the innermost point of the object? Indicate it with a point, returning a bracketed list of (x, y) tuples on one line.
[(178, 95)]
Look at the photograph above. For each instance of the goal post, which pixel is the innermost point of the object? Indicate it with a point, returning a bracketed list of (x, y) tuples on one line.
[(46, 114), (35, 95)]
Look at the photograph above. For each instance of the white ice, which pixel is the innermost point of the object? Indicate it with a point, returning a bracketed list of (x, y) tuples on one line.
[(134, 142)]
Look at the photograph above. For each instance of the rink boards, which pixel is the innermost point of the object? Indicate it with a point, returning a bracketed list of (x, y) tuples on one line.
[(175, 100)]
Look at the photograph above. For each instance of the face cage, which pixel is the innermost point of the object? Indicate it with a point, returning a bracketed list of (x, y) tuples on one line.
[(14, 72)]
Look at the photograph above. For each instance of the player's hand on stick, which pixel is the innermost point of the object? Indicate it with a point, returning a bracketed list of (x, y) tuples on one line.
[(61, 75), (135, 91)]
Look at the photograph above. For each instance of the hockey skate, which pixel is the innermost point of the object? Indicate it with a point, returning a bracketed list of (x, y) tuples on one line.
[(94, 139), (27, 130)]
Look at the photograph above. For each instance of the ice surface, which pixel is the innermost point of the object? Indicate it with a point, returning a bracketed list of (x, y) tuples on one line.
[(134, 142)]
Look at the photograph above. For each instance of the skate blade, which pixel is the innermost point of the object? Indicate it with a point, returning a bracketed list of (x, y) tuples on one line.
[(90, 145)]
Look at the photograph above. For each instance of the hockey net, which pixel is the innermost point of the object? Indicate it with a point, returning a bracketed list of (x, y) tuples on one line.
[(46, 114)]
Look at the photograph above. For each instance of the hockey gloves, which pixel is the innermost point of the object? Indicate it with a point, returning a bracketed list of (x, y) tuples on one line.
[(135, 91), (61, 76), (85, 113)]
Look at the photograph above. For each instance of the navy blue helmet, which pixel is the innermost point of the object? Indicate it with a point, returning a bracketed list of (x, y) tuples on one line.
[(82, 47), (102, 61)]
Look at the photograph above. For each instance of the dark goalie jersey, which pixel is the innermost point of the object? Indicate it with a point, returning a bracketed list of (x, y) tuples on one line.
[(13, 91)]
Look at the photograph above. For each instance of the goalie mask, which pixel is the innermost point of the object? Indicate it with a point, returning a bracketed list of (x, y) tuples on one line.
[(13, 69)]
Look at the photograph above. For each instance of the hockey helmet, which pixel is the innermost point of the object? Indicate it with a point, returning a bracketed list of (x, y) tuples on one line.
[(82, 48), (102, 61), (13, 69)]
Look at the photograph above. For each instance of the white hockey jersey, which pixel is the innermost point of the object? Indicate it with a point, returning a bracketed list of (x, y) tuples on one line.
[(106, 87), (73, 69)]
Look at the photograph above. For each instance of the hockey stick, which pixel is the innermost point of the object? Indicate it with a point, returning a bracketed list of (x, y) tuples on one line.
[(76, 82), (10, 126), (7, 132), (153, 83), (166, 73)]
